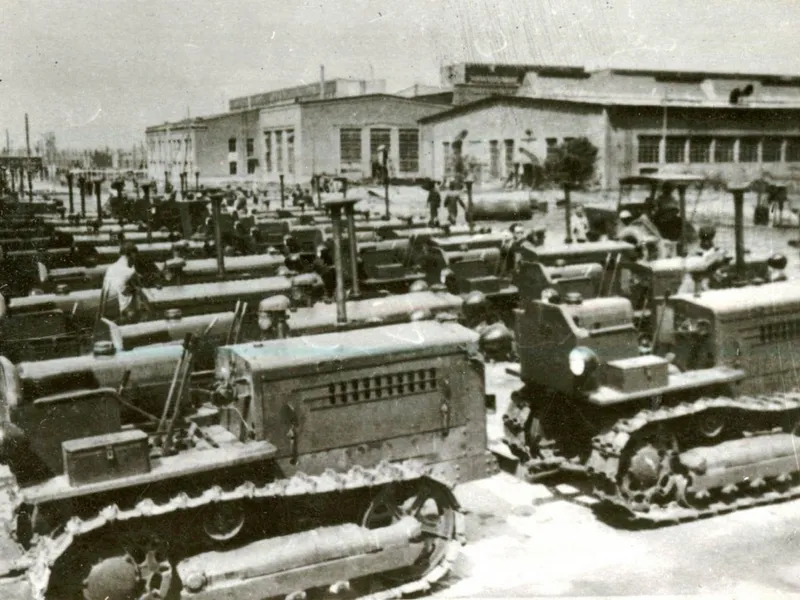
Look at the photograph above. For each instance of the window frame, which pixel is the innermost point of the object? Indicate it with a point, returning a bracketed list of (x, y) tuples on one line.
[(409, 162), (648, 143)]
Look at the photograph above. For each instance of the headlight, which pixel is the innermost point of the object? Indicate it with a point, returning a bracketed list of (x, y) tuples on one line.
[(582, 361)]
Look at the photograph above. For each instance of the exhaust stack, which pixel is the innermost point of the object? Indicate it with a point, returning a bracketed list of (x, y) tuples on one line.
[(216, 201), (738, 224), (682, 242), (337, 206)]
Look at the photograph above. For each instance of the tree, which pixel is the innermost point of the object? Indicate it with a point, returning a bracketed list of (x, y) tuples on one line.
[(572, 163)]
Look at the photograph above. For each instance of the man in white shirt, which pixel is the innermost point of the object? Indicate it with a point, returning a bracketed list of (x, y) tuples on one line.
[(120, 282)]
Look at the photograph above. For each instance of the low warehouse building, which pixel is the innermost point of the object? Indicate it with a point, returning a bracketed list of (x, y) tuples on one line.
[(715, 125), (296, 132)]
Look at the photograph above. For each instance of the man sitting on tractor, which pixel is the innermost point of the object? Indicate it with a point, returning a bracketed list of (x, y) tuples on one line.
[(121, 281)]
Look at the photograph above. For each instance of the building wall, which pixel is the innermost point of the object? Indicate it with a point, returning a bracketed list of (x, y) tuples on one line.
[(277, 125), (201, 145), (713, 142), (511, 127), (322, 122), (171, 150), (213, 156)]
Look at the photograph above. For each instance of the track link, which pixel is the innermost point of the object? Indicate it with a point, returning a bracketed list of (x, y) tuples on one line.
[(608, 450), (36, 563)]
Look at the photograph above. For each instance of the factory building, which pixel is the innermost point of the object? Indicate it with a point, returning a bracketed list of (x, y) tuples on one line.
[(333, 127), (342, 136), (717, 125), (504, 118)]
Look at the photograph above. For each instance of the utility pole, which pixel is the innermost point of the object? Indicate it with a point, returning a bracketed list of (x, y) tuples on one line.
[(8, 143), (28, 166)]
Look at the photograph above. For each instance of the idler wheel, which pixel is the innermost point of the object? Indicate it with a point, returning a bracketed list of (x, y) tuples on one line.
[(711, 424), (433, 505), (222, 521), (648, 474), (644, 468), (123, 578), (115, 578)]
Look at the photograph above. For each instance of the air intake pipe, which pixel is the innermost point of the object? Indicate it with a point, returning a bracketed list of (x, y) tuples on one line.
[(738, 224), (336, 208)]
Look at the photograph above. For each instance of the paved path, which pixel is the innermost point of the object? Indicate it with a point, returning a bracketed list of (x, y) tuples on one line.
[(545, 540)]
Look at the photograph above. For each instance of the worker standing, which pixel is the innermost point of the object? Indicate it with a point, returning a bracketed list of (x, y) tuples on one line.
[(434, 203), (579, 224), (452, 201), (273, 316), (121, 281)]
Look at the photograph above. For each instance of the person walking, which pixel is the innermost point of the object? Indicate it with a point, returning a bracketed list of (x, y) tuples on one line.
[(434, 204), (452, 201)]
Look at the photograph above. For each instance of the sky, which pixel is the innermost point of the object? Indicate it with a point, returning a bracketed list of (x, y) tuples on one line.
[(97, 72)]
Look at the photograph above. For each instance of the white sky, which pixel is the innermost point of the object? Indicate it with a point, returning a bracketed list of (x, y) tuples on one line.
[(97, 72)]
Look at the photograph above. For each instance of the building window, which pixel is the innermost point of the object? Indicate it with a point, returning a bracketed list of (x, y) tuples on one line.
[(793, 149), (252, 165), (409, 150), (723, 150), (232, 167), (552, 146), (700, 150), (771, 149), (509, 158), (494, 159), (290, 150), (748, 150), (349, 148), (649, 146), (232, 145), (448, 161), (279, 151), (268, 151), (676, 149), (251, 146)]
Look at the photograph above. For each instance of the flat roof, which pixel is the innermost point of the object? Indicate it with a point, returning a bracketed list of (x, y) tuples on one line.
[(495, 99), (197, 122), (367, 97), (534, 101)]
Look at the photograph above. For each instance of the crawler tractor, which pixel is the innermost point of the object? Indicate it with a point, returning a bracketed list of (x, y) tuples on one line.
[(710, 428), (322, 462)]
